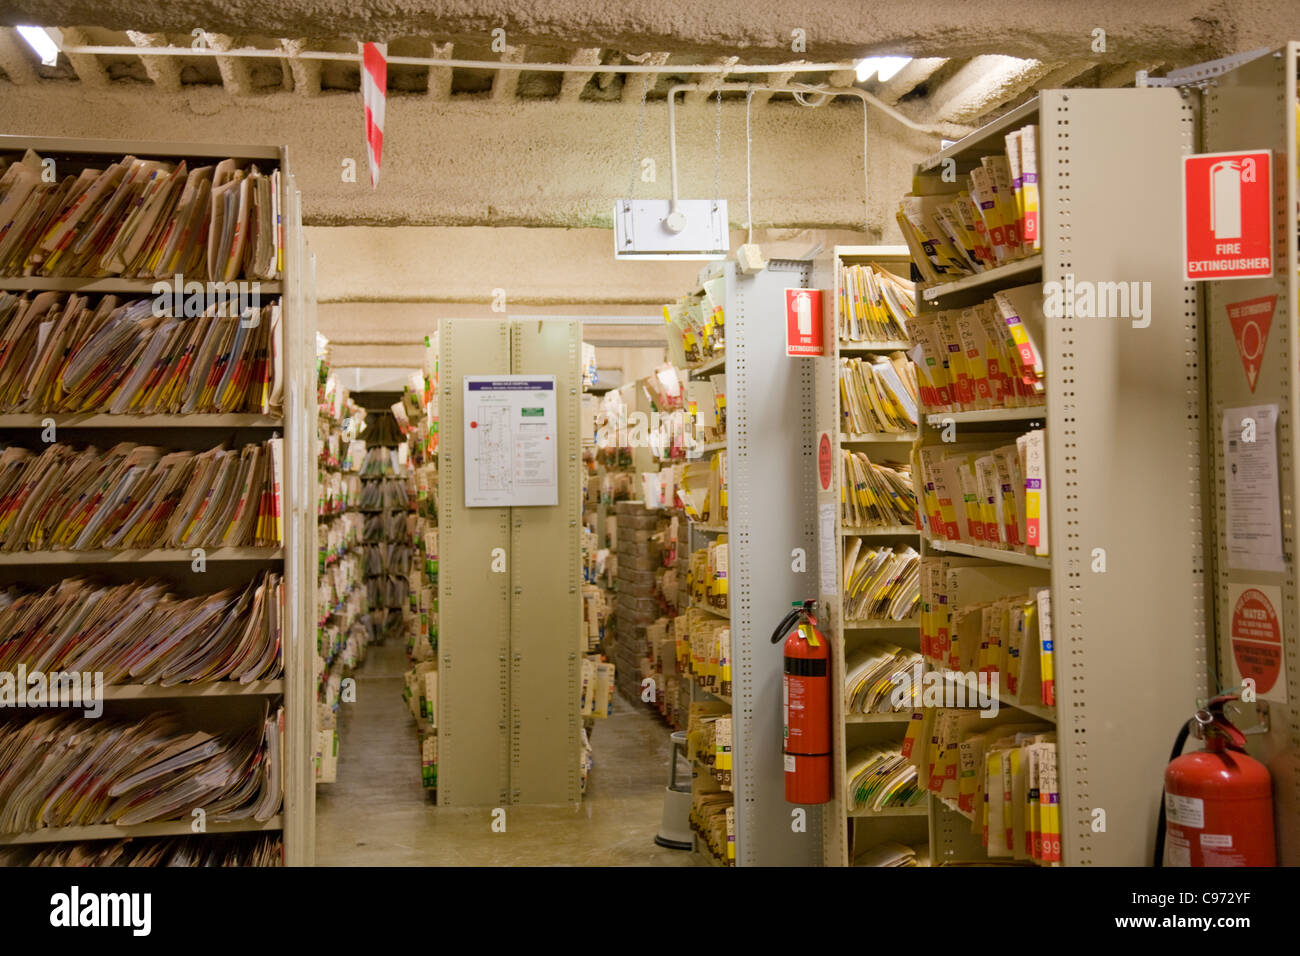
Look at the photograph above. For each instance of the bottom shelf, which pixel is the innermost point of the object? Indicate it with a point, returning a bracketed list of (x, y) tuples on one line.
[(109, 831)]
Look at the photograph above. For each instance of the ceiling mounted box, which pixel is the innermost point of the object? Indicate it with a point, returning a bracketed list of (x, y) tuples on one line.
[(642, 229)]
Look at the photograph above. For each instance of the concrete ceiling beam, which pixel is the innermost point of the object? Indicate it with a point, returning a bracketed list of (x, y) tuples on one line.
[(1062, 74), (505, 85), (440, 76), (979, 86), (86, 66), (776, 79), (908, 78), (709, 82), (305, 74), (163, 71), (573, 84), (16, 57), (234, 70)]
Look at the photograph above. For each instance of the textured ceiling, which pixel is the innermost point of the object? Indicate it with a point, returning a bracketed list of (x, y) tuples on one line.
[(1186, 30), (534, 147)]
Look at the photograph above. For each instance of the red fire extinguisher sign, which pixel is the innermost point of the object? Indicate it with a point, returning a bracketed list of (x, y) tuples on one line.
[(803, 323), (1228, 215)]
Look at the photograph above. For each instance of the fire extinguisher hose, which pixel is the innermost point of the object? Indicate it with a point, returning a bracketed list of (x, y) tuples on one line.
[(1177, 752), (788, 622)]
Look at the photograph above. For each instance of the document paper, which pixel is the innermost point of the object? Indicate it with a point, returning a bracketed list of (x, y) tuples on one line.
[(510, 439), (1250, 476)]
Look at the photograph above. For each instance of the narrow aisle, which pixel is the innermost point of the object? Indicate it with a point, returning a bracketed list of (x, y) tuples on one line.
[(369, 815), (377, 814)]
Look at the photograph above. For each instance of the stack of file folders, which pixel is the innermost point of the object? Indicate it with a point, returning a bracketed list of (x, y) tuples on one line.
[(878, 396), (880, 583), (1008, 638), (875, 495), (73, 353), (998, 773), (386, 494), (872, 673), (234, 849), (881, 778), (142, 632), (985, 356), (889, 854), (140, 496), (61, 771), (141, 218), (985, 220), (379, 462), (875, 304), (987, 494)]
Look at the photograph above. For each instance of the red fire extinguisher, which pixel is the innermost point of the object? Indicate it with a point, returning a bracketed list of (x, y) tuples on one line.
[(807, 704), (1218, 802)]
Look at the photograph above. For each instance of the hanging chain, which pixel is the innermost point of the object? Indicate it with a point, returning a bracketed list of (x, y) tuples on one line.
[(717, 149), (640, 132)]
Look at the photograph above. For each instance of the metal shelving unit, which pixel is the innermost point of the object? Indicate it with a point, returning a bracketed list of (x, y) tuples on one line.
[(296, 559), (1252, 107), (769, 399), (509, 687), (854, 730), (1130, 640)]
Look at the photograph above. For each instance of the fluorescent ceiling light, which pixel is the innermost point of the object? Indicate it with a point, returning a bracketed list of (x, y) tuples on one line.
[(883, 66), (44, 42)]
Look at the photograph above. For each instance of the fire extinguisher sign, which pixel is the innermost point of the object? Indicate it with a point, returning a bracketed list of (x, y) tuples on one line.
[(803, 323), (1227, 215)]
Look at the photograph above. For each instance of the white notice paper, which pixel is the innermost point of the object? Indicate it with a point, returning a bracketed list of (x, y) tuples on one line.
[(827, 552), (510, 439), (1254, 510)]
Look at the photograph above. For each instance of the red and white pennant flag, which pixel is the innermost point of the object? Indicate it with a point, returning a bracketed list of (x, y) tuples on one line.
[(374, 93)]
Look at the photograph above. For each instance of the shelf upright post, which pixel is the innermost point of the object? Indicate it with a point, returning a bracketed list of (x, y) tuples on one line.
[(473, 600), (1252, 107), (772, 466)]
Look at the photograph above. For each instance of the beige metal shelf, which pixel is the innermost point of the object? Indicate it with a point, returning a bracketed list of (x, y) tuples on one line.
[(157, 555), (109, 831), (891, 531), (992, 279), (96, 420), (991, 554), (1005, 700), (724, 614), (1035, 413), (846, 346), (877, 438), (866, 813), (709, 528), (985, 141), (898, 718), (266, 287), (222, 688), (709, 365)]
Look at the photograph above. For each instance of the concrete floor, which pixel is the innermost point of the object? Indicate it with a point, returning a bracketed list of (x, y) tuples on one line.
[(377, 814)]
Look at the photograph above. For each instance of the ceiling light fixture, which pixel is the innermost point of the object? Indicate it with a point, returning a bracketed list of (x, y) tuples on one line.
[(45, 42), (883, 67)]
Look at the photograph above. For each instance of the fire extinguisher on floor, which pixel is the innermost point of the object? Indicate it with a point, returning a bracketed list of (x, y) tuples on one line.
[(1218, 802), (806, 695)]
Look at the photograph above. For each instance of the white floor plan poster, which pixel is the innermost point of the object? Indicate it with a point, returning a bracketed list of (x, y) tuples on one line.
[(510, 439)]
